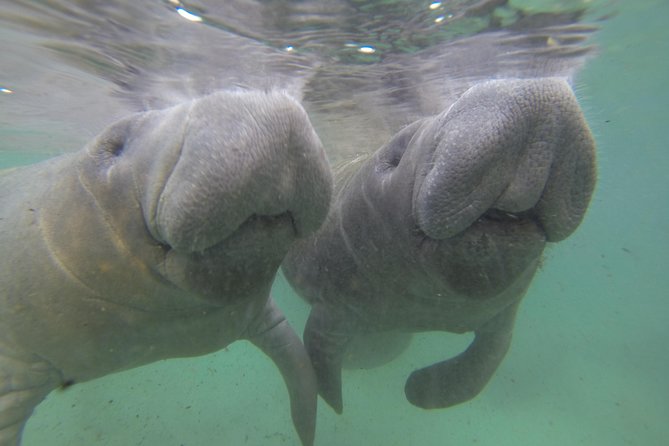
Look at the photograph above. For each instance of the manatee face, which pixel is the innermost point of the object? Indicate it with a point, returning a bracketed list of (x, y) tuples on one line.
[(225, 184), (443, 229)]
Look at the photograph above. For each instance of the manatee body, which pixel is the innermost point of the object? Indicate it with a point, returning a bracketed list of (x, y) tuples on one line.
[(160, 239), (443, 228)]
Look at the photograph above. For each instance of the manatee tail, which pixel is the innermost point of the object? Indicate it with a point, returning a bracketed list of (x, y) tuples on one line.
[(461, 378), (277, 339)]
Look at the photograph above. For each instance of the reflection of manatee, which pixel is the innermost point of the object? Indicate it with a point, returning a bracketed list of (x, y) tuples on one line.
[(443, 229), (160, 239)]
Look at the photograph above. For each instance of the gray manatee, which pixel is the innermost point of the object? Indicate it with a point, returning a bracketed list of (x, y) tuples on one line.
[(443, 228), (160, 239)]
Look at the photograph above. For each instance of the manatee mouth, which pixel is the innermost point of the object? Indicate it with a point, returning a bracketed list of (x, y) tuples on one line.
[(283, 223), (485, 258), (270, 220), (501, 217), (270, 228), (240, 264), (498, 222), (510, 230)]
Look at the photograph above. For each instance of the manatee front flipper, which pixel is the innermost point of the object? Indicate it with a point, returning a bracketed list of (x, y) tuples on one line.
[(461, 378), (23, 384), (277, 339), (326, 336)]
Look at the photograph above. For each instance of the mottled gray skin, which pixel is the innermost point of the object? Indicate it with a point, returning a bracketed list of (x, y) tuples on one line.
[(443, 229), (159, 239)]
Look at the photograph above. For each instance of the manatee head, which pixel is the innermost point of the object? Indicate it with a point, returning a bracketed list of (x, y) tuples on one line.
[(225, 184), (508, 167)]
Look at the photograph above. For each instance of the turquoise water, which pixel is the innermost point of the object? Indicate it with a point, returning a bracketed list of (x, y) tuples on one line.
[(588, 362)]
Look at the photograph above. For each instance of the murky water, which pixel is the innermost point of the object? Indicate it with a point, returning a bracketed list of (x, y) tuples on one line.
[(588, 360)]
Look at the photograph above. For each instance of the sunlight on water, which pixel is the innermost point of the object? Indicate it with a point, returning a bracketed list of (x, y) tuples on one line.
[(188, 15)]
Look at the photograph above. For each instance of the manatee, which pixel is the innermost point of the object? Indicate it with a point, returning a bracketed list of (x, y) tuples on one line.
[(159, 239), (443, 228)]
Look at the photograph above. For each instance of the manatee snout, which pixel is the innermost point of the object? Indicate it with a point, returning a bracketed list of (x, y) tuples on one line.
[(244, 157), (494, 151)]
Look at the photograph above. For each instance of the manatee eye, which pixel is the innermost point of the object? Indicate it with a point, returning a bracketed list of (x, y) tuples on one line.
[(396, 158), (112, 142), (392, 155), (114, 146)]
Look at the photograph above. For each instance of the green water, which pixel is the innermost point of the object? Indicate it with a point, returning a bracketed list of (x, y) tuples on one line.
[(589, 360)]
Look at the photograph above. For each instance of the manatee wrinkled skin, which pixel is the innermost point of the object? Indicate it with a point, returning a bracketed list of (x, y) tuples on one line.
[(442, 229), (159, 239)]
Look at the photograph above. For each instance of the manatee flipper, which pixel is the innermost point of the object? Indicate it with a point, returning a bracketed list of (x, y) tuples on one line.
[(461, 378), (277, 339), (326, 337), (23, 384)]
